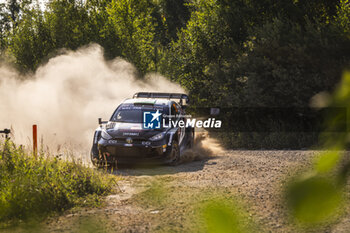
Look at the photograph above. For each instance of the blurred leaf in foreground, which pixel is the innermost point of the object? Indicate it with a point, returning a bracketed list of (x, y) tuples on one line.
[(328, 161), (221, 216), (317, 197), (314, 199)]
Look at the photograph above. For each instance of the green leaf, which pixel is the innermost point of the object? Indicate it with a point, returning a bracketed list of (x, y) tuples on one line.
[(314, 199), (221, 217), (327, 161)]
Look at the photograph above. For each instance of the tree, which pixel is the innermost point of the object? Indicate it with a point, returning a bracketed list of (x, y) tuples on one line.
[(4, 26), (175, 13), (68, 23), (135, 27), (255, 53), (203, 58), (30, 41), (101, 30), (287, 64), (14, 9), (342, 17)]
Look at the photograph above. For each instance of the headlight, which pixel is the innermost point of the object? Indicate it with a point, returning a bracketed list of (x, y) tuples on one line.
[(105, 135), (157, 137), (110, 125)]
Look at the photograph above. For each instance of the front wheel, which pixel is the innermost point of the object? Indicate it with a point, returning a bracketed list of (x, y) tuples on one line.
[(100, 160), (94, 158)]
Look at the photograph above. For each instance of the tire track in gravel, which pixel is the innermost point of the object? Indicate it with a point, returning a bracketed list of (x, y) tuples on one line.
[(255, 176)]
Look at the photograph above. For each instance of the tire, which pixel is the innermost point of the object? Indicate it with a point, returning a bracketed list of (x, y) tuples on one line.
[(190, 140), (98, 162), (93, 159), (174, 154)]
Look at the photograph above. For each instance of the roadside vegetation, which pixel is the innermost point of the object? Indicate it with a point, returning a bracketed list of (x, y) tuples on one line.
[(32, 188)]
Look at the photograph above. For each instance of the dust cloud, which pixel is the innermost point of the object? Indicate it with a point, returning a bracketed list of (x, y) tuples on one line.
[(65, 96), (204, 147)]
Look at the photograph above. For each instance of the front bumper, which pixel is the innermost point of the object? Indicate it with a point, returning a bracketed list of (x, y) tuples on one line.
[(138, 151)]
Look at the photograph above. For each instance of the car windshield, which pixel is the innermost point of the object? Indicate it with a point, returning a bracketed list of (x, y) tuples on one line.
[(130, 115)]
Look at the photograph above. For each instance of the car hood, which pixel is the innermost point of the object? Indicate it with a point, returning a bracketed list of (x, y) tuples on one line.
[(134, 130)]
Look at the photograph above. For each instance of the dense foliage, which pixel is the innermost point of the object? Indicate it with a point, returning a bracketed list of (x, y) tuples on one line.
[(34, 187), (251, 53)]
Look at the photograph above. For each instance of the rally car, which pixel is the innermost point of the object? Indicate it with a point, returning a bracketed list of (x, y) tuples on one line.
[(143, 129)]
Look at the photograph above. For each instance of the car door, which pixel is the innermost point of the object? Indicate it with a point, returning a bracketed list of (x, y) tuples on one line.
[(179, 117)]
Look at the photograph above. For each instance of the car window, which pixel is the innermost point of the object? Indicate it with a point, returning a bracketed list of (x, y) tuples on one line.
[(132, 114), (174, 110), (128, 115), (178, 108)]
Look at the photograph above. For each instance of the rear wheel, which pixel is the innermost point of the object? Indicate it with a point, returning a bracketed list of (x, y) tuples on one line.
[(174, 154), (190, 140)]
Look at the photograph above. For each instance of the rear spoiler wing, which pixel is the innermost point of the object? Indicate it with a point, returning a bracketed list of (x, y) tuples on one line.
[(159, 95)]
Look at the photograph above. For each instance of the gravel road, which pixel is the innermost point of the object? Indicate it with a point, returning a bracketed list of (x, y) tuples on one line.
[(255, 178)]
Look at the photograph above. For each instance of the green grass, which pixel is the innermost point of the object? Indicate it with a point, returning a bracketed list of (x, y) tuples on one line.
[(36, 187)]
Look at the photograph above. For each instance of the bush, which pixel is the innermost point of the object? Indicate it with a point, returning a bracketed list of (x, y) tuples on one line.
[(35, 187), (268, 140)]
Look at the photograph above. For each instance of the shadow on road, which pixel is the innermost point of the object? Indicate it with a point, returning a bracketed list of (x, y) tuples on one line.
[(204, 150), (153, 170)]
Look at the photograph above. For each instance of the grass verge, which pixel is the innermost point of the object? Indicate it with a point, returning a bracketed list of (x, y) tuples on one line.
[(36, 187)]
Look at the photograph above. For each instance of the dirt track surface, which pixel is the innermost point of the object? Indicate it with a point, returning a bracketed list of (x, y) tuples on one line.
[(255, 178)]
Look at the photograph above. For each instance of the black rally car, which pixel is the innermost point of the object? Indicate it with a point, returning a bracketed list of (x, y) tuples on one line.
[(144, 129)]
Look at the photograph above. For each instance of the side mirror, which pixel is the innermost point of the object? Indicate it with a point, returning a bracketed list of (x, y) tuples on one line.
[(100, 121), (214, 111), (187, 100)]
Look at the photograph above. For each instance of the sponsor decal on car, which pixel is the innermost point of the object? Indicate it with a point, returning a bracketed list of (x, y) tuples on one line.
[(152, 120), (131, 134)]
